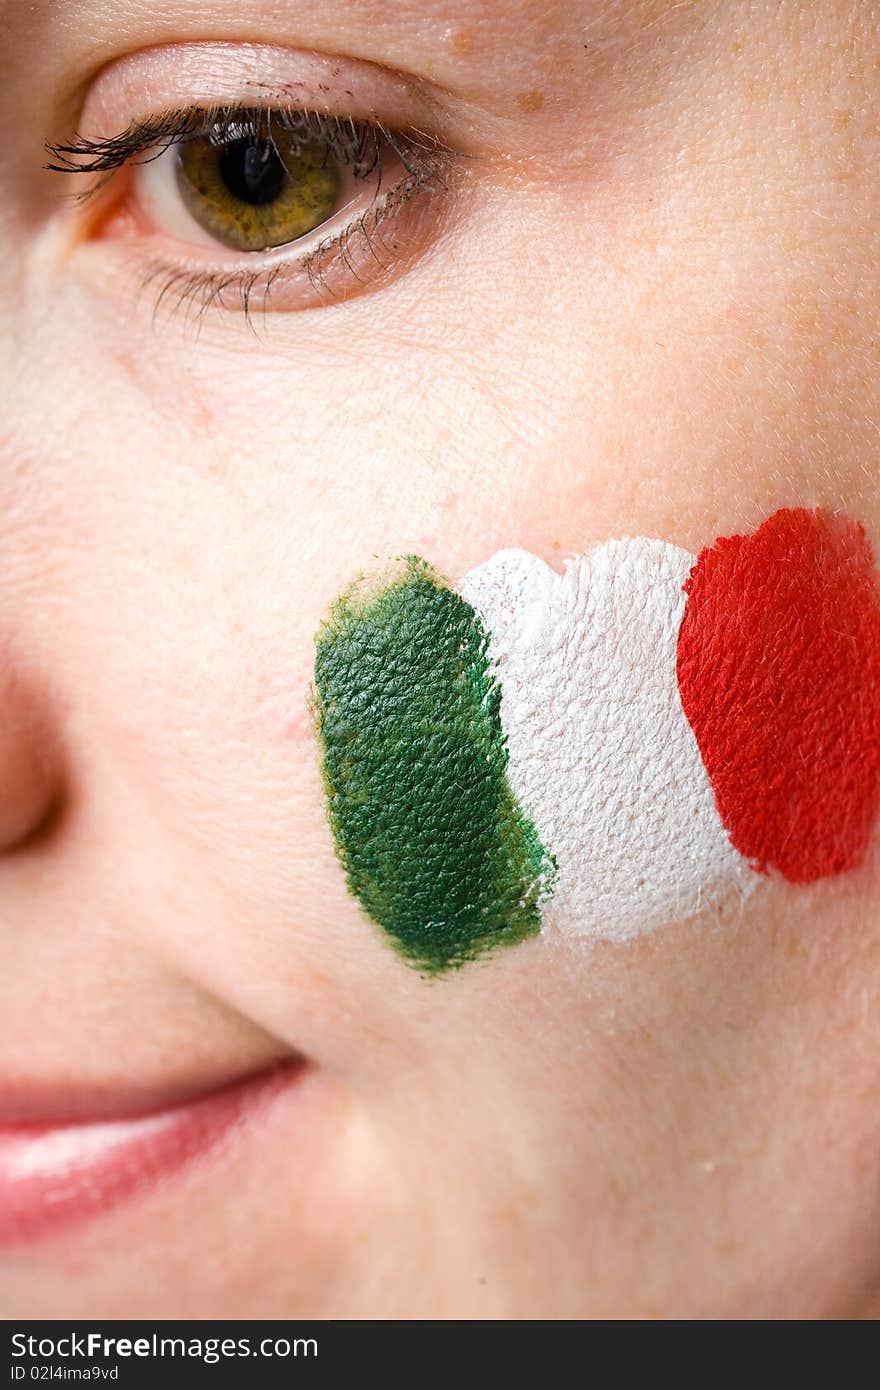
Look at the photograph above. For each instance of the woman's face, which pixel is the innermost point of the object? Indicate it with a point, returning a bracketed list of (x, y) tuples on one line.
[(636, 294)]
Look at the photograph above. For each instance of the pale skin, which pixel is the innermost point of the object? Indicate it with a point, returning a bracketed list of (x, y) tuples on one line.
[(648, 306)]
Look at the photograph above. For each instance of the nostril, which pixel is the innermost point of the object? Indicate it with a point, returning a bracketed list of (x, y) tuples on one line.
[(30, 763)]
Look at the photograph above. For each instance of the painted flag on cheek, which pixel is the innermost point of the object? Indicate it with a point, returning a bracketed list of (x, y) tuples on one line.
[(605, 750)]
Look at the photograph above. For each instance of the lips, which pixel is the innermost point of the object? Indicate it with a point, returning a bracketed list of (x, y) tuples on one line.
[(60, 1172)]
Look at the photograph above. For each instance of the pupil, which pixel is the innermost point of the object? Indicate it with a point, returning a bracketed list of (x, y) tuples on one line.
[(252, 173)]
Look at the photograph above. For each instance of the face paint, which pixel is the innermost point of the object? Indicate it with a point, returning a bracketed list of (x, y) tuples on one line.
[(604, 750), (779, 671), (601, 755), (432, 839)]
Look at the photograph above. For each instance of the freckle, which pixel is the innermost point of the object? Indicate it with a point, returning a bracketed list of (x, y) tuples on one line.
[(530, 101), (308, 975), (462, 40), (216, 467), (842, 120), (556, 545)]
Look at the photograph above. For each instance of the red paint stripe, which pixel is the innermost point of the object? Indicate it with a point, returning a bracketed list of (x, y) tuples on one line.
[(779, 675)]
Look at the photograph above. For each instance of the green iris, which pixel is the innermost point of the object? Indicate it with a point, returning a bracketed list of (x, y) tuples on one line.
[(251, 193)]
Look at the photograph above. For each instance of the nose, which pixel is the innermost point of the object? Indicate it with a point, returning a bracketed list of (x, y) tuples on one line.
[(30, 769)]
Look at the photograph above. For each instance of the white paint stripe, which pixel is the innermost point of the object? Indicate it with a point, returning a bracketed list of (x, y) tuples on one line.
[(602, 757)]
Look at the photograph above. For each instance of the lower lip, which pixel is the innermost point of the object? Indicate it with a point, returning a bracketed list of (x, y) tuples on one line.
[(52, 1176)]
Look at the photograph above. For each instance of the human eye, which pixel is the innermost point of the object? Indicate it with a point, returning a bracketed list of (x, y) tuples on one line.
[(264, 203)]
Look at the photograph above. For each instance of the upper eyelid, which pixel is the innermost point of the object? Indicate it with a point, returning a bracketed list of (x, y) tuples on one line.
[(185, 74)]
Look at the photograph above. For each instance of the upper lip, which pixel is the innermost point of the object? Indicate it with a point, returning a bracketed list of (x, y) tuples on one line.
[(51, 1103)]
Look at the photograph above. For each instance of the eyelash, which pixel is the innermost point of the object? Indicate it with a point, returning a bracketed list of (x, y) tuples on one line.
[(359, 144)]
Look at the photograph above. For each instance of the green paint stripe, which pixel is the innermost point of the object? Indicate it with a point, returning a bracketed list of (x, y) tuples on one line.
[(433, 841)]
